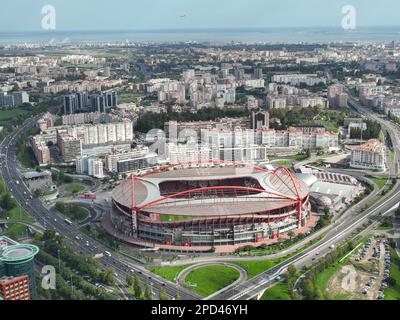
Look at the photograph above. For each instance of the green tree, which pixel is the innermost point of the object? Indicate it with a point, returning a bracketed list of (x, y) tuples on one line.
[(137, 288), (129, 280), (109, 276), (291, 271), (162, 294), (147, 292), (38, 193), (7, 202)]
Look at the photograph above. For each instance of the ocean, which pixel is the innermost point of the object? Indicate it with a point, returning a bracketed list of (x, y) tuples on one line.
[(213, 36)]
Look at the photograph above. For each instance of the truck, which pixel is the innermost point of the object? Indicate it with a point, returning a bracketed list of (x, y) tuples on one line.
[(98, 256)]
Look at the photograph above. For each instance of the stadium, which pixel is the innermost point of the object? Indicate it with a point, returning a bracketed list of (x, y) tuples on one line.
[(209, 204)]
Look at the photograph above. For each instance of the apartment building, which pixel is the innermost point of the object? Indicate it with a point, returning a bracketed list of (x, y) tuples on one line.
[(370, 155)]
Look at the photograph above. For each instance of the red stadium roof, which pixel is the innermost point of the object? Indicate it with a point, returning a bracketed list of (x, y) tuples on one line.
[(279, 188)]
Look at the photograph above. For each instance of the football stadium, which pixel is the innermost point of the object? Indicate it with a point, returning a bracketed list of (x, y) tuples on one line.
[(209, 204)]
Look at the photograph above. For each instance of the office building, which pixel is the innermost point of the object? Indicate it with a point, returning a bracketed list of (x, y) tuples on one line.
[(260, 119), (15, 288), (16, 260)]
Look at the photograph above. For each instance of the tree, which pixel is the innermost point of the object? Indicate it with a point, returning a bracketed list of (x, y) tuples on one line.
[(137, 288), (308, 289), (291, 271), (38, 193), (147, 292), (290, 234), (109, 276), (129, 280), (391, 281), (7, 202), (162, 294)]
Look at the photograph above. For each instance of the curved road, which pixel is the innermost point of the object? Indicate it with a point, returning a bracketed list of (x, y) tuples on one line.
[(54, 221)]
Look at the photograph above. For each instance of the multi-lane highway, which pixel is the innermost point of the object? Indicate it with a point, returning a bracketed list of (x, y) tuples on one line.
[(339, 232), (53, 220)]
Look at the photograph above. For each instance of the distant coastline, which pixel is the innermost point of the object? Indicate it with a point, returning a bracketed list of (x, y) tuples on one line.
[(212, 35)]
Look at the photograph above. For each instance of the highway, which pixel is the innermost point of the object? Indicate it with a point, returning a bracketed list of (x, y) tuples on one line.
[(250, 289), (54, 221), (340, 231)]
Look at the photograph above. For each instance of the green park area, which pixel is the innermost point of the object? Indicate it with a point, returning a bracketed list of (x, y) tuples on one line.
[(255, 267), (6, 115), (169, 273), (128, 97), (393, 291), (380, 182), (279, 291), (210, 279), (72, 211), (167, 217), (75, 188)]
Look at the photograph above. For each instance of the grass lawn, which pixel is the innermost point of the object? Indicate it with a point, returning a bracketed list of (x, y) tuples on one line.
[(380, 181), (16, 230), (75, 188), (283, 163), (17, 214), (128, 97), (279, 291), (210, 279), (75, 212), (167, 217), (168, 273), (11, 113), (255, 267), (322, 278), (393, 293)]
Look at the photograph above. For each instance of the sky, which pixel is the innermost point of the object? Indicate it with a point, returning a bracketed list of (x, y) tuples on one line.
[(91, 15)]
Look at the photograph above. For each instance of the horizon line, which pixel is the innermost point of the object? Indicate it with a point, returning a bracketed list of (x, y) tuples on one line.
[(199, 29)]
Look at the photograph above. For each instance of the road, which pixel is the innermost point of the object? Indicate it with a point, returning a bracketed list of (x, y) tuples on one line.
[(343, 229), (54, 221)]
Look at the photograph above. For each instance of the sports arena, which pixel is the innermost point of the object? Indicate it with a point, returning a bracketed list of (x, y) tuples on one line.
[(209, 204)]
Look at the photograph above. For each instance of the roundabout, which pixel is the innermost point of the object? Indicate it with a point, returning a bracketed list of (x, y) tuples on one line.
[(208, 279)]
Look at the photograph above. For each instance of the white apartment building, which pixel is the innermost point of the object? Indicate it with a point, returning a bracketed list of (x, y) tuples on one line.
[(99, 134), (270, 138), (90, 166), (112, 159), (370, 155), (95, 168), (276, 102), (297, 79), (40, 150)]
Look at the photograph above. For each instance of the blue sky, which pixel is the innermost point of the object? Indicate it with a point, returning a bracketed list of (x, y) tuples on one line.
[(23, 15)]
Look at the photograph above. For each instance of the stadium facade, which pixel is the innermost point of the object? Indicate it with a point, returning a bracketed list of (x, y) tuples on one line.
[(211, 203)]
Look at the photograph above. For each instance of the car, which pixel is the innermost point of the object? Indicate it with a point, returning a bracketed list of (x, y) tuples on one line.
[(55, 219), (317, 253)]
